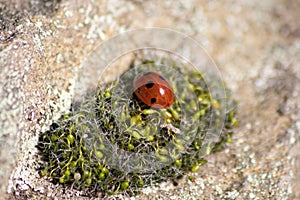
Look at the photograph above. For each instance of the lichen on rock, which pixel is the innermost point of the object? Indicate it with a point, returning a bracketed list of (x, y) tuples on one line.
[(114, 143)]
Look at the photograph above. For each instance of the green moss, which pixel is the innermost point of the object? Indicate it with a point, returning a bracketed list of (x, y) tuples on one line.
[(79, 149)]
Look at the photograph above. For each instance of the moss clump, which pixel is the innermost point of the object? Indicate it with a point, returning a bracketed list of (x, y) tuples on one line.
[(114, 143)]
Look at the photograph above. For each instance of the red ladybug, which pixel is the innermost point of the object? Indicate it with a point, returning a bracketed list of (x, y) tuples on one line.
[(153, 90)]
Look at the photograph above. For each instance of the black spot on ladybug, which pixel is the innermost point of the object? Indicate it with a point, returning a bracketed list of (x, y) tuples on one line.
[(153, 100), (162, 78), (139, 90), (150, 84)]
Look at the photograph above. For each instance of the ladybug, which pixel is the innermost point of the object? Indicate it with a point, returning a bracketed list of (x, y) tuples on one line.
[(153, 90)]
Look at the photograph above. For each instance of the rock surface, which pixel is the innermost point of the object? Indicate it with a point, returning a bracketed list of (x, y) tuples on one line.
[(256, 45)]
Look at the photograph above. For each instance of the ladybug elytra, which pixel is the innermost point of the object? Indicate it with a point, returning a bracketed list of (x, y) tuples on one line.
[(153, 90)]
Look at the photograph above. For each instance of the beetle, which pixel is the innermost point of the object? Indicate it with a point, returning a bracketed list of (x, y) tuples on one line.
[(153, 90)]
